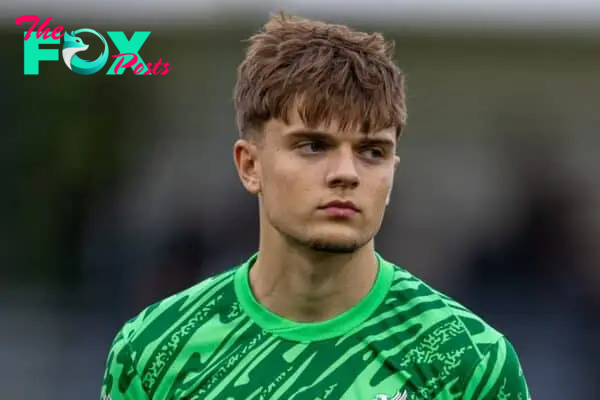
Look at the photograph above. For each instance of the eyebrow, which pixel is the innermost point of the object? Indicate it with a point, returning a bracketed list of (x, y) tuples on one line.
[(314, 134)]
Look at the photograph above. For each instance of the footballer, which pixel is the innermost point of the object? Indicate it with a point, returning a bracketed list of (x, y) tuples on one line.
[(316, 313)]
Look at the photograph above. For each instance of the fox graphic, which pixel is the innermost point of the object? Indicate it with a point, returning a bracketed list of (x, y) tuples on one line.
[(73, 44)]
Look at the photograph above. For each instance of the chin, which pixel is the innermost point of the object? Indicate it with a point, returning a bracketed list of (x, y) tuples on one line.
[(334, 247), (327, 238), (340, 241)]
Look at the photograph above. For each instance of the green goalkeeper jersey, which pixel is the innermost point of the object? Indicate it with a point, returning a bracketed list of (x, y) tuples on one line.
[(403, 341)]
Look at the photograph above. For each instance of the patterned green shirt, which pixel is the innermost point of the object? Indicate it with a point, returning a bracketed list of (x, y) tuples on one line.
[(403, 341)]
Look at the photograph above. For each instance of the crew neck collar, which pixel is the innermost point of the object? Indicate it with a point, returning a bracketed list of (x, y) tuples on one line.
[(312, 331)]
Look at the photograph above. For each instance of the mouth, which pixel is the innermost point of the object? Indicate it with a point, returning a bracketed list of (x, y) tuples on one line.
[(340, 209)]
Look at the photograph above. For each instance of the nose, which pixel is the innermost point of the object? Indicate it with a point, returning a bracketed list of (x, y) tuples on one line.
[(343, 172)]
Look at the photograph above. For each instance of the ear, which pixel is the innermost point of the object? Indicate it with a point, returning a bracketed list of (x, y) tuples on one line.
[(245, 155), (396, 163)]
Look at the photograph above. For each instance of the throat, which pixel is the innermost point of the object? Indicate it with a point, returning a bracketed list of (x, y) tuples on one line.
[(312, 292)]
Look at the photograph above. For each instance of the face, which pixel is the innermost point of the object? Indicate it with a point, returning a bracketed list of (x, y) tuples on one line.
[(322, 188)]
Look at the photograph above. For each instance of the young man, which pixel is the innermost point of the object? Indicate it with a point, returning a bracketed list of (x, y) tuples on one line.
[(316, 313)]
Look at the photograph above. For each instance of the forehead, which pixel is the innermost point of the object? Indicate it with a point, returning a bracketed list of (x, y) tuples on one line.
[(281, 128)]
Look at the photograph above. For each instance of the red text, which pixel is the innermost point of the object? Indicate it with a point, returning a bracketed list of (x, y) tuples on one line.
[(42, 30), (140, 67)]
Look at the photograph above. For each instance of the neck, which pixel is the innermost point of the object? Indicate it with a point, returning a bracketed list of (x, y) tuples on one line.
[(308, 286)]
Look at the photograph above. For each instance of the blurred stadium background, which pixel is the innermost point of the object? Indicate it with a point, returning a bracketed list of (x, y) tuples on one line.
[(120, 190)]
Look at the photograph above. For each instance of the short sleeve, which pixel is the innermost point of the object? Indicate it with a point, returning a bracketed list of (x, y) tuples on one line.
[(498, 375), (121, 379)]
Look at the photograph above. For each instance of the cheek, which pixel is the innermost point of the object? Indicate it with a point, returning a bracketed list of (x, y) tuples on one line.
[(380, 190), (285, 183)]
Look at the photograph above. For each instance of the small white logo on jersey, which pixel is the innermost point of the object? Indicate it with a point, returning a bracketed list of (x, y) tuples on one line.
[(398, 396)]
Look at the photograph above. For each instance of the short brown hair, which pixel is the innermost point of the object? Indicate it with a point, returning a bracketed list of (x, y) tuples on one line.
[(328, 71)]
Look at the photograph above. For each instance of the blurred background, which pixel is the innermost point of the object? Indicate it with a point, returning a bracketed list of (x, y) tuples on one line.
[(121, 190)]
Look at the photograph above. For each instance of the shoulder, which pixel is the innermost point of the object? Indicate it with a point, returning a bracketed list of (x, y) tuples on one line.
[(179, 311), (449, 338), (158, 332), (434, 311)]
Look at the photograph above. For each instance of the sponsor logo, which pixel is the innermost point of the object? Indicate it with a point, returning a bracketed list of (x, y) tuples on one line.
[(398, 396)]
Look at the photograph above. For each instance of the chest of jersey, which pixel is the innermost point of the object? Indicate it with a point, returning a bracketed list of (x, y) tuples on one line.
[(261, 366)]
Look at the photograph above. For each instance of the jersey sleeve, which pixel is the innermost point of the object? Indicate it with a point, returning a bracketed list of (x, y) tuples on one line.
[(498, 375), (121, 379)]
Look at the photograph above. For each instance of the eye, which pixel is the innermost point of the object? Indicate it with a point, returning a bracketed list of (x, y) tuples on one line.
[(372, 152), (313, 146)]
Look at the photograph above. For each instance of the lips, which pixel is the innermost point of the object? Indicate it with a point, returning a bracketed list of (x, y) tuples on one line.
[(343, 205), (340, 209)]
